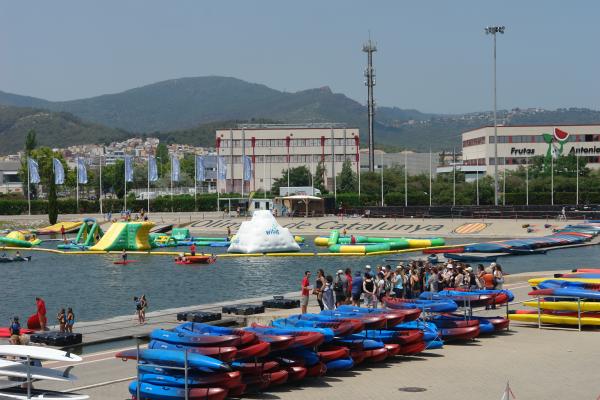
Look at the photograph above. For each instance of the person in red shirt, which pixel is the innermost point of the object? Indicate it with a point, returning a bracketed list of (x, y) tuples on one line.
[(41, 312), (305, 292), (193, 249), (348, 273), (62, 232)]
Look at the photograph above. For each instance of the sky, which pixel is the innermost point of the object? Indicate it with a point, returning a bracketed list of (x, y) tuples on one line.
[(433, 55)]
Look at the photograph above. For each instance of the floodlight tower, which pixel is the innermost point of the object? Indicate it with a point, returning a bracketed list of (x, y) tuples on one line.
[(370, 48), (493, 30)]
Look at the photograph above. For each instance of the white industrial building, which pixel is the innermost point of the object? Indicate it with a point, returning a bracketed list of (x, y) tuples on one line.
[(517, 144), (275, 148)]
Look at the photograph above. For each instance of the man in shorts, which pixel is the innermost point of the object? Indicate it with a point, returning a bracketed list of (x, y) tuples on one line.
[(305, 292)]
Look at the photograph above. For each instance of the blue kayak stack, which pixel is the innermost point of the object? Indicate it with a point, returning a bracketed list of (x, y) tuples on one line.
[(229, 362)]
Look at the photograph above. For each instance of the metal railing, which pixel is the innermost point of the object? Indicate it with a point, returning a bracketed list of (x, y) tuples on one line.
[(539, 308)]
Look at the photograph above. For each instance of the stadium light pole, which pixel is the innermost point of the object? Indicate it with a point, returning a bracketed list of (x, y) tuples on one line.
[(493, 30)]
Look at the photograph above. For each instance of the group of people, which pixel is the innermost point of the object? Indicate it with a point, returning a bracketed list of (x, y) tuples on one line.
[(141, 305), (66, 320), (371, 286)]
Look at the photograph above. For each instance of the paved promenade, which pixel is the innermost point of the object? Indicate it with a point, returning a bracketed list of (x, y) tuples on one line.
[(213, 223), (540, 364)]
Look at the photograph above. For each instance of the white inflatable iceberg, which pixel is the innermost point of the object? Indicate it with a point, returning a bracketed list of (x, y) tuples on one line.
[(262, 234)]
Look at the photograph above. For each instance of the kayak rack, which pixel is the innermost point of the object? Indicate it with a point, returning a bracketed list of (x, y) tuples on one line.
[(185, 370), (539, 309)]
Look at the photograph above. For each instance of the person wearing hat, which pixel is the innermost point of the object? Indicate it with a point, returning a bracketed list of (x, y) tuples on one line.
[(340, 287), (15, 331), (368, 268)]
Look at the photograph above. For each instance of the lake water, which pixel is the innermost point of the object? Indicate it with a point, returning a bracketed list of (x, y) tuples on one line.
[(96, 288)]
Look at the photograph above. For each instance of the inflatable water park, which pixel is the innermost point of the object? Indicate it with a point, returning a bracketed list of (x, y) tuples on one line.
[(262, 235), (198, 360)]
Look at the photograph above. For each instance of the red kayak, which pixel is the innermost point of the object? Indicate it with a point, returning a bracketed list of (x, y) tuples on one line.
[(5, 332), (267, 379), (444, 250), (455, 323), (301, 338), (125, 262), (296, 373), (331, 352), (466, 333), (500, 323), (358, 356), (197, 260), (255, 368), (413, 348), (587, 270), (409, 314), (260, 349), (393, 349), (376, 355), (277, 342), (316, 370), (408, 336)]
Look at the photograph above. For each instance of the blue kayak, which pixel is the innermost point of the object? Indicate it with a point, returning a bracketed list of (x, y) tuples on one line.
[(171, 380), (177, 358), (430, 331), (485, 326), (560, 284), (341, 364), (384, 336), (310, 357), (569, 292), (291, 330), (286, 323), (434, 344), (198, 327), (195, 339), (149, 391), (439, 305), (353, 340)]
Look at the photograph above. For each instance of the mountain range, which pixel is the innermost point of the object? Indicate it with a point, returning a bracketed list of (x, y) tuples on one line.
[(188, 110)]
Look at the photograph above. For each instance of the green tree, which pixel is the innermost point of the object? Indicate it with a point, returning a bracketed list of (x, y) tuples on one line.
[(162, 155), (346, 180), (319, 178), (30, 142), (299, 176)]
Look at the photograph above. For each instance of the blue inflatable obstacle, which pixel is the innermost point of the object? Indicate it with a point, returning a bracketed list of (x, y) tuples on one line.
[(162, 392)]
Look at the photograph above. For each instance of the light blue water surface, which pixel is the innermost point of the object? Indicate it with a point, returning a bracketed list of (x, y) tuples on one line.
[(97, 289)]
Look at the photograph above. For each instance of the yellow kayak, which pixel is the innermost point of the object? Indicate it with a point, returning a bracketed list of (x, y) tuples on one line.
[(537, 281), (564, 305), (554, 319)]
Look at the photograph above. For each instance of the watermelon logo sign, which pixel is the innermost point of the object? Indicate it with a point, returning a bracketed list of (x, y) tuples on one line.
[(555, 142)]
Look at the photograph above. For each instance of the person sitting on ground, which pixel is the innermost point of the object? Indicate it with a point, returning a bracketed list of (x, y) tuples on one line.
[(18, 255), (328, 299), (70, 320), (15, 331), (62, 320)]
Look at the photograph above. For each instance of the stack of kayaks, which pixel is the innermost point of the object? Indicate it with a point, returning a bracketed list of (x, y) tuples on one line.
[(566, 299), (228, 362)]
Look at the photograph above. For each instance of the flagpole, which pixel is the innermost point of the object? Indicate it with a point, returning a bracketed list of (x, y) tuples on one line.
[(148, 189), (527, 181), (125, 176), (217, 180), (453, 177), (28, 188), (504, 184), (171, 183), (77, 179), (265, 175), (358, 174), (100, 182), (382, 178), (405, 179), (552, 179), (577, 181), (430, 180), (195, 181)]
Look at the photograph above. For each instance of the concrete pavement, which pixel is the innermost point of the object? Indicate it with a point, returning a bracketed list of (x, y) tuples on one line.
[(540, 364)]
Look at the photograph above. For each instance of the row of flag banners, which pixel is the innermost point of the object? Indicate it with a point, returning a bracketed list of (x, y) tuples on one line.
[(59, 172)]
